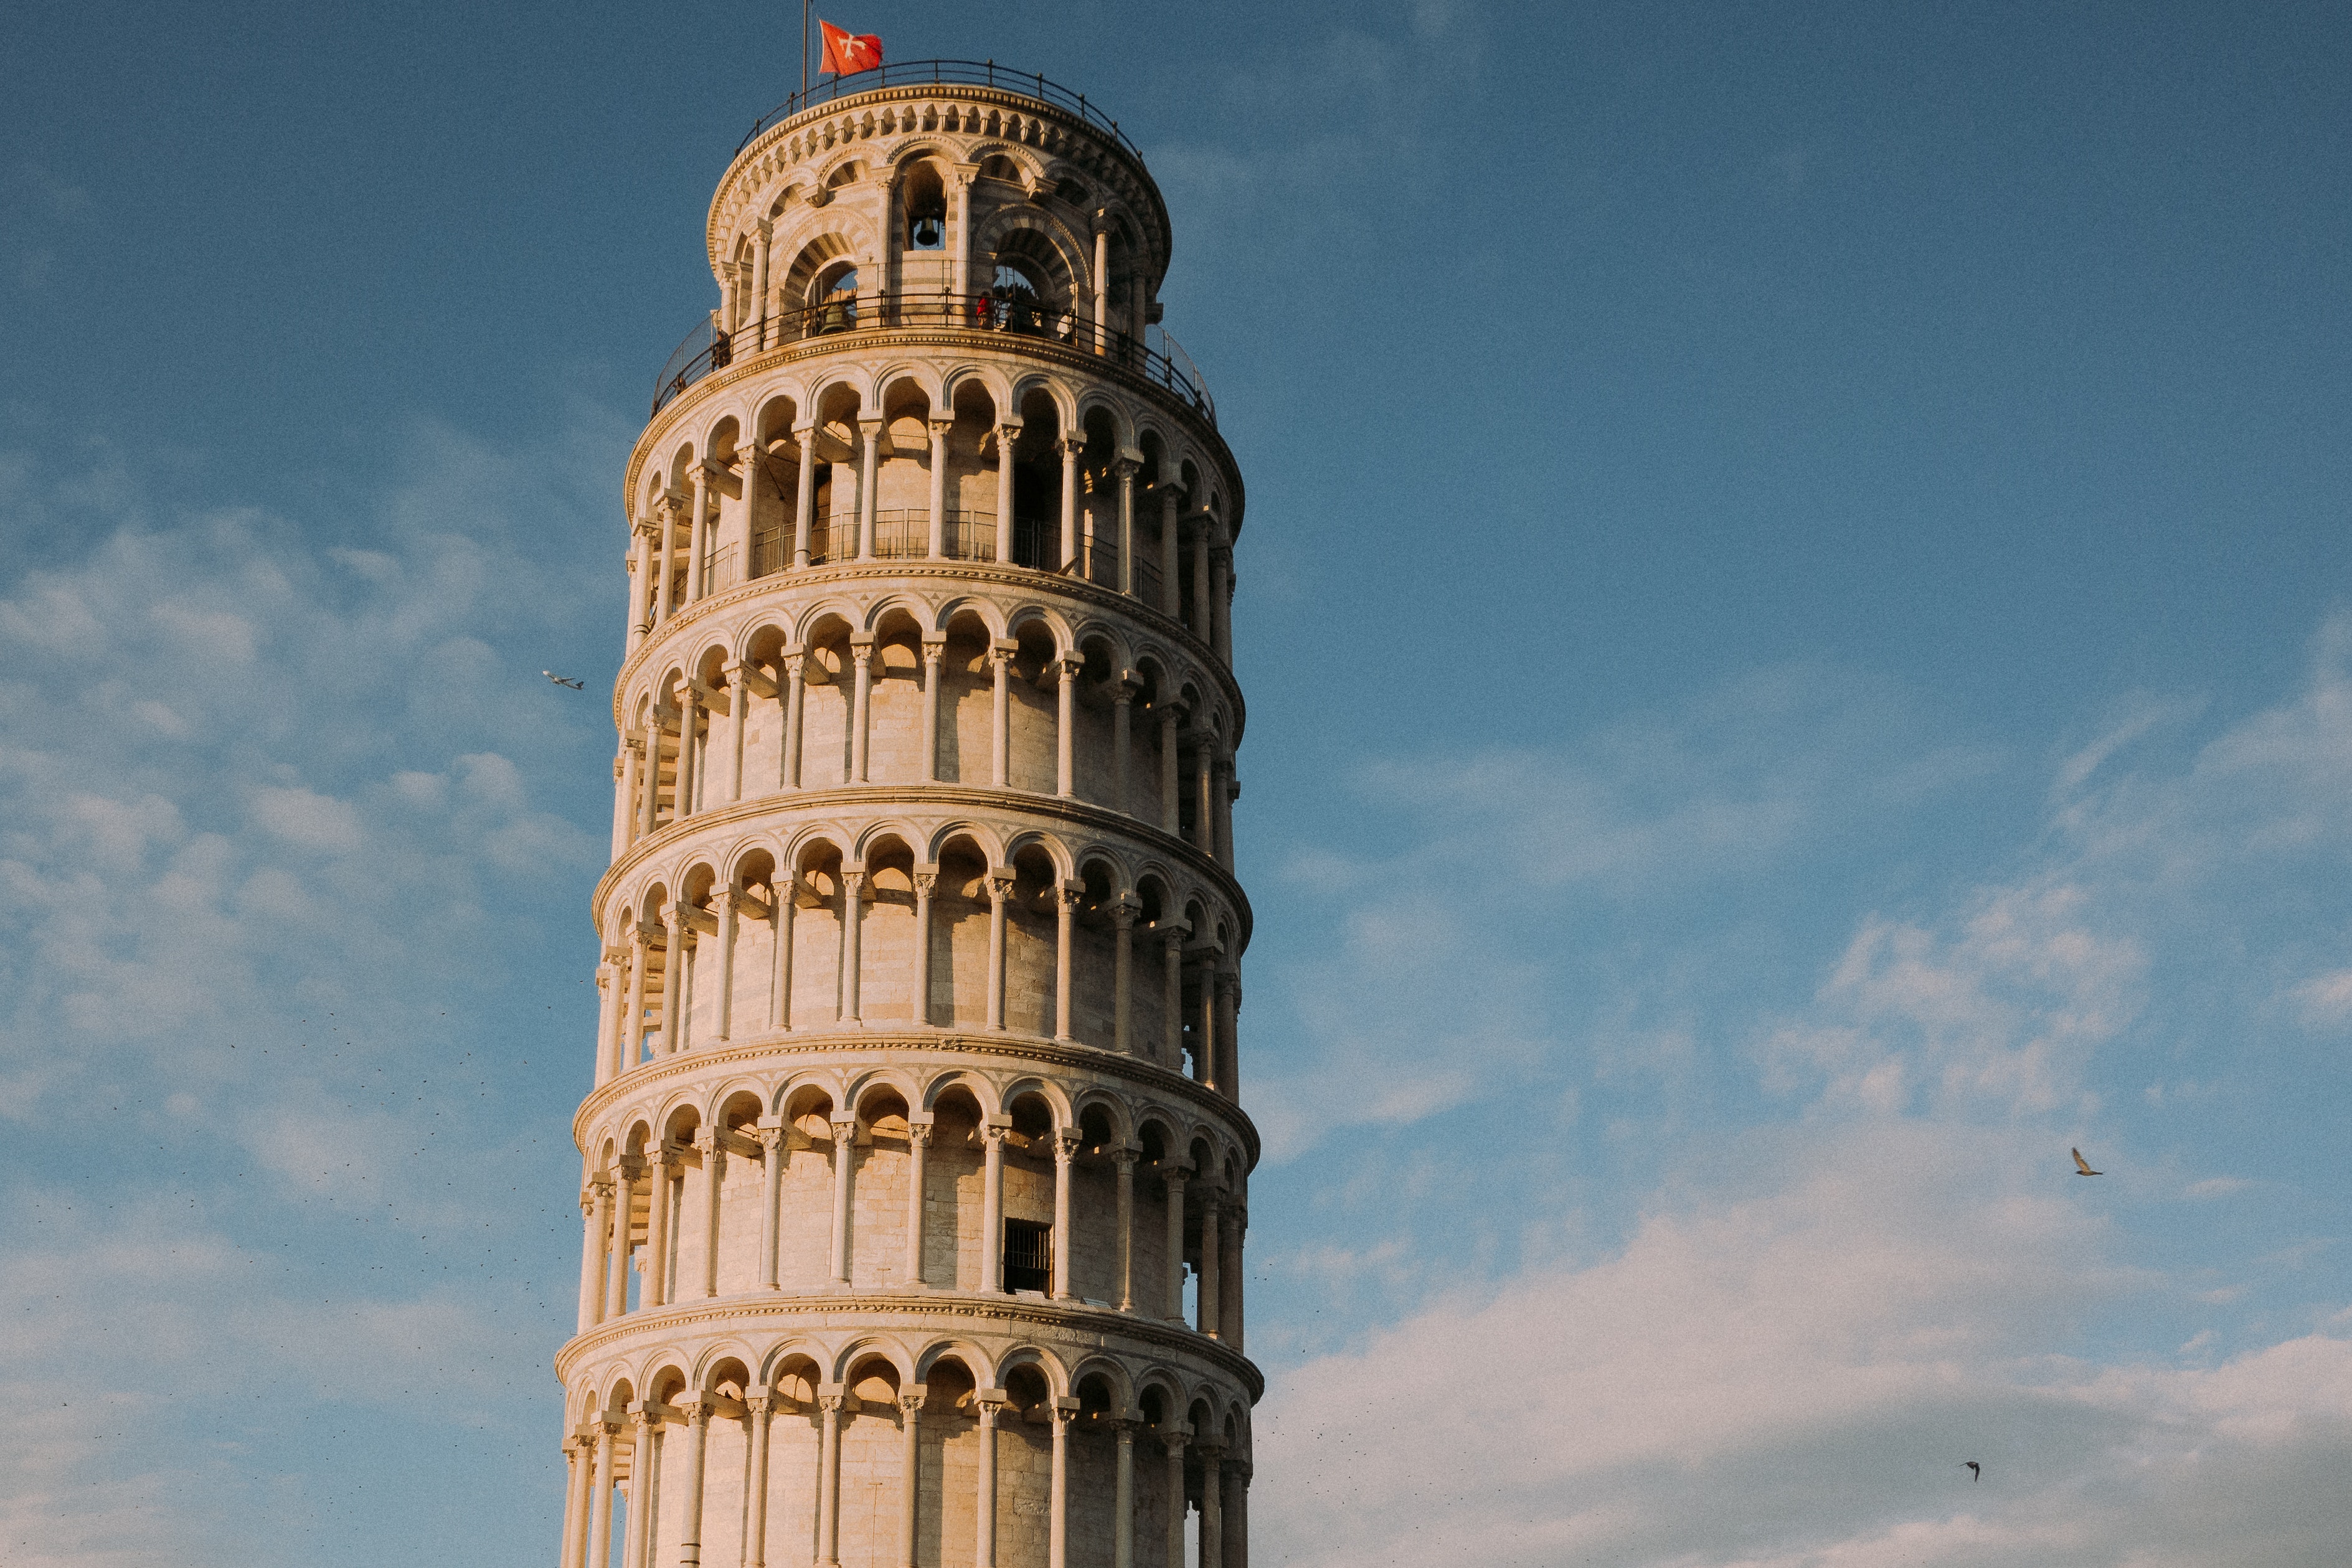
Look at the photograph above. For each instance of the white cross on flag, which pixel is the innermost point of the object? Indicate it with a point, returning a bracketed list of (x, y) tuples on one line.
[(845, 52)]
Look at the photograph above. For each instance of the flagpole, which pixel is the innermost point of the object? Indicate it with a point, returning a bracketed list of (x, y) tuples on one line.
[(804, 11)]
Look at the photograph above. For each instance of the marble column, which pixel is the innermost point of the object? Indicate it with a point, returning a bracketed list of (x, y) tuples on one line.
[(911, 1473), (1065, 1155), (845, 1156), (984, 1512), (926, 878), (1123, 910), (1123, 1161), (773, 1154), (934, 666), (596, 1206), (992, 1209), (999, 889), (1173, 1178), (756, 1408), (919, 1150), (655, 1292), (1065, 914), (600, 1500)]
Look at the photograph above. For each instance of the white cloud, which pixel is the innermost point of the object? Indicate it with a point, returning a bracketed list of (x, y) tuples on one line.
[(1793, 1377)]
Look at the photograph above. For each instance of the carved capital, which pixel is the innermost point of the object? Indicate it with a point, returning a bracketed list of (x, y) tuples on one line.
[(844, 1134), (911, 1402), (760, 1403), (831, 1404), (926, 883), (918, 1134), (1000, 887), (1125, 1160), (1065, 1145), (993, 1136), (769, 1139), (1125, 468)]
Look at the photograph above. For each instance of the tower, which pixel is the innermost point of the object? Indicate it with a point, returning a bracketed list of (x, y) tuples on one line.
[(915, 1176)]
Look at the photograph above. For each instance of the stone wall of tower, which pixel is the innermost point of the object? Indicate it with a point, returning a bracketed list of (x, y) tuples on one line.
[(915, 1172)]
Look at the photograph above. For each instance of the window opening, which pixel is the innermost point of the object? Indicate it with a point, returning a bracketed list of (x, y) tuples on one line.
[(1028, 1255)]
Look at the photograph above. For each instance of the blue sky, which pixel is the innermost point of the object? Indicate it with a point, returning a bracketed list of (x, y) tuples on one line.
[(1797, 604)]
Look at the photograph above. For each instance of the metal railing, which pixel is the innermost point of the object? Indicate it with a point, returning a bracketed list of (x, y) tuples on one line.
[(707, 348), (953, 73)]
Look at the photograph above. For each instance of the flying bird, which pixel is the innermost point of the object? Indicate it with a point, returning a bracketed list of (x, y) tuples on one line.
[(578, 685), (1976, 1471), (2083, 1166)]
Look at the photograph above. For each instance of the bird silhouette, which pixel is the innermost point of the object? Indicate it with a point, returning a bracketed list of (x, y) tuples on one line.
[(1976, 1471), (2083, 1166), (560, 681)]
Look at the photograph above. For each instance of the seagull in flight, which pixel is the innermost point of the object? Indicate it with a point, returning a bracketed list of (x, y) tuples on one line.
[(2083, 1166), (583, 686), (1976, 1471)]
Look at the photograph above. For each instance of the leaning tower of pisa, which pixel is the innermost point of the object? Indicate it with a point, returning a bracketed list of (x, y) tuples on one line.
[(914, 1179)]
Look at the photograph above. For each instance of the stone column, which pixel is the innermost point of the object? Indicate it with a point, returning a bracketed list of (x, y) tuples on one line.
[(1229, 1004), (1123, 1160), (625, 797), (926, 878), (1226, 787), (1173, 1177), (918, 1152), (1171, 820), (1066, 914), (853, 925), (991, 1208), (935, 656), (1210, 1247), (645, 1483), (651, 803), (694, 531), (641, 571), (804, 496), (1058, 1516), (655, 1292), (795, 705), (1102, 292), (1172, 984), (1065, 726), (1122, 742), (611, 990), (1201, 618), (596, 1211), (1071, 445), (1122, 1504), (938, 543), (910, 1470), (991, 1402), (738, 711), (1065, 1154), (1173, 1442), (772, 1181), (1000, 889), (1123, 910), (600, 1500), (616, 1283), (1204, 1043), (869, 450), (723, 902), (697, 1432), (959, 183), (1238, 1515), (1205, 775), (1000, 746), (1125, 469), (783, 900), (845, 1152), (1212, 1506), (1006, 435), (828, 1479), (756, 307), (668, 555), (579, 1464), (714, 1173), (861, 658), (755, 1507), (1171, 588), (1221, 601), (674, 980), (633, 1010), (1235, 1271)]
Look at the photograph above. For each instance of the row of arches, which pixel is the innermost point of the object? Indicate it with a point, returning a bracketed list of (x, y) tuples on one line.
[(880, 1453), (950, 927), (956, 460), (897, 1182), (901, 690)]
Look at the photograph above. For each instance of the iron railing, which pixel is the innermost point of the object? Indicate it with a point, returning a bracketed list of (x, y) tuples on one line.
[(954, 73), (707, 348)]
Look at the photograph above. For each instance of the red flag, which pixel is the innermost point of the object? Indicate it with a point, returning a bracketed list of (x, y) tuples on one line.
[(847, 52)]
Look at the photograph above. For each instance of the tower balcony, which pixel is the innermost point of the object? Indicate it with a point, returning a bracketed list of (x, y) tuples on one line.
[(1006, 318)]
